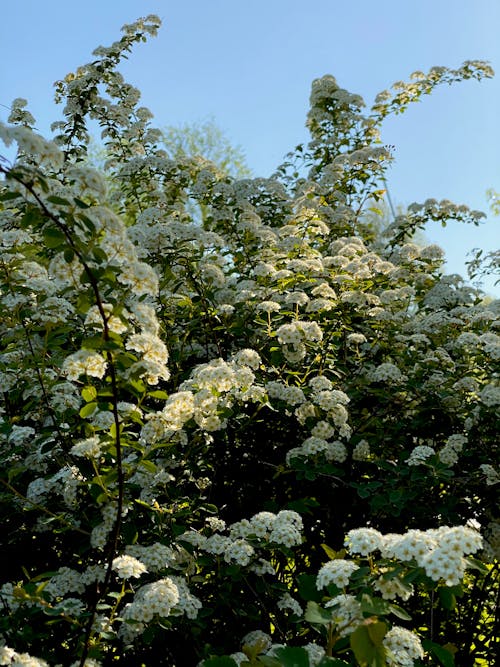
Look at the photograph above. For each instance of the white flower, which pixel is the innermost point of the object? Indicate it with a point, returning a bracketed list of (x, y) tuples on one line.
[(387, 372), (114, 323), (336, 572), (392, 587), (490, 395), (155, 599), (140, 277), (347, 614), (492, 477), (419, 455), (84, 362), (239, 551), (404, 645), (269, 306), (361, 451), (127, 566), (257, 639), (363, 541), (320, 383), (248, 357), (215, 523), (90, 448), (155, 557), (288, 602), (150, 346), (355, 339)]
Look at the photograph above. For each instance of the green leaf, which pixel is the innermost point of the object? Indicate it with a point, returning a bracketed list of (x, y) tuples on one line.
[(475, 564), (99, 255), (366, 652), (224, 661), (293, 656), (149, 465), (53, 238), (377, 632), (307, 588), (88, 410), (445, 657), (159, 394), (316, 614), (331, 553), (87, 222), (54, 199), (10, 195), (374, 606), (447, 597), (89, 394), (69, 255), (399, 612), (80, 203)]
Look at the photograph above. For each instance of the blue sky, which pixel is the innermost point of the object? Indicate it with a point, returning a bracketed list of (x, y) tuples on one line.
[(250, 64)]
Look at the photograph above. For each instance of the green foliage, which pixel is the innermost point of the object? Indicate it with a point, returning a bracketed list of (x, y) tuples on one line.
[(239, 425), (206, 140)]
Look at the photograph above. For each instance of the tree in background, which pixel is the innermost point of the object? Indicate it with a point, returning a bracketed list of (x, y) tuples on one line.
[(266, 436), (481, 263), (207, 140)]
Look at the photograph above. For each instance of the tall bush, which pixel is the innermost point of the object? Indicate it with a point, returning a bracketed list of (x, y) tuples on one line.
[(269, 433)]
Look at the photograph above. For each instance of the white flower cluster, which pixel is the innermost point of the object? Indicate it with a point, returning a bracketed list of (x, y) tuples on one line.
[(188, 604), (84, 362), (155, 599), (419, 455), (490, 395), (287, 602), (290, 394), (391, 586), (10, 657), (387, 372), (294, 336), (33, 145), (64, 482), (491, 475), (355, 339), (404, 646), (178, 409), (153, 352), (347, 614), (491, 345), (127, 566), (441, 551), (139, 277), (336, 572), (66, 580), (262, 642), (454, 445), (155, 557), (90, 448), (247, 357), (361, 451), (114, 323), (363, 541), (492, 540), (282, 528), (211, 387), (312, 446)]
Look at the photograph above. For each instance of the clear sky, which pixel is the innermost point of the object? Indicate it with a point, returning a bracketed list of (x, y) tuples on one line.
[(249, 64)]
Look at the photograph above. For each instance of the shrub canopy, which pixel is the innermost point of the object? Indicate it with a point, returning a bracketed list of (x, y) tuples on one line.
[(265, 430)]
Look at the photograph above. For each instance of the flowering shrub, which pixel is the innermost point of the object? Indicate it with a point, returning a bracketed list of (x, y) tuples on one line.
[(209, 384)]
